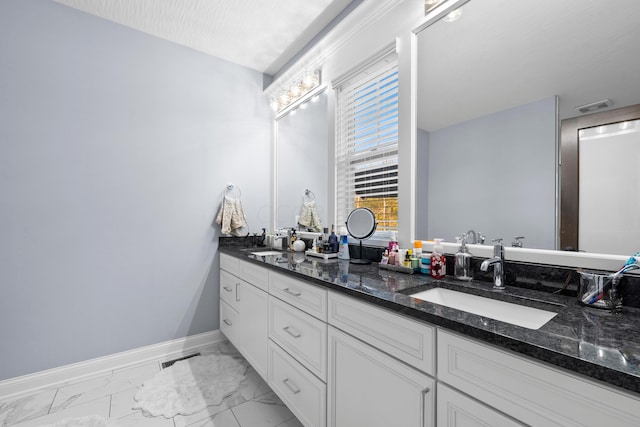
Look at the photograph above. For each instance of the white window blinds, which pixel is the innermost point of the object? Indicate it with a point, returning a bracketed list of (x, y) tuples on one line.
[(367, 143)]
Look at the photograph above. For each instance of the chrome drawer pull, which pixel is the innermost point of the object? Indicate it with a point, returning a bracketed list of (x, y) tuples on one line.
[(291, 331), (237, 293), (290, 292), (228, 289), (291, 386), (226, 322)]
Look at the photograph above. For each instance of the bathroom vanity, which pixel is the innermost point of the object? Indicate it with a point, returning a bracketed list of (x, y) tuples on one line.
[(346, 345)]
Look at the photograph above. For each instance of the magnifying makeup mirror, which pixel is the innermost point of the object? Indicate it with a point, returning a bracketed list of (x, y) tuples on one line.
[(361, 224)]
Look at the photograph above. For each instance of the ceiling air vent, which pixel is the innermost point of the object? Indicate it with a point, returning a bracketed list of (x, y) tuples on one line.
[(598, 105)]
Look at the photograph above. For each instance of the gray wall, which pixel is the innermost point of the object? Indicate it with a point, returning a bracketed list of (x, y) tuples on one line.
[(495, 174), (115, 147)]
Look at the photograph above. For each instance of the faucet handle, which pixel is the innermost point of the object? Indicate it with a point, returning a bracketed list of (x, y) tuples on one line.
[(517, 241), (497, 241)]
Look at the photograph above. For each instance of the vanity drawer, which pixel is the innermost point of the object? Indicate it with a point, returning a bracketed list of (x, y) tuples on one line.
[(301, 335), (230, 264), (303, 393), (308, 298), (410, 341), (229, 288), (254, 274), (529, 391), (229, 322)]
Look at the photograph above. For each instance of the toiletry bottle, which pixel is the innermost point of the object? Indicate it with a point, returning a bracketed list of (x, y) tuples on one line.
[(343, 250), (293, 238), (417, 248), (385, 257), (393, 243), (438, 261), (333, 241), (325, 241), (407, 258), (425, 263), (462, 261), (393, 256)]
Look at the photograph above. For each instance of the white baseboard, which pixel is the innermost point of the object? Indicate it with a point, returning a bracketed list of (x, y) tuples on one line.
[(19, 386)]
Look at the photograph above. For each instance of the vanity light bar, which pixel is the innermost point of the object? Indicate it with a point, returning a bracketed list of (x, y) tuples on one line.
[(295, 90)]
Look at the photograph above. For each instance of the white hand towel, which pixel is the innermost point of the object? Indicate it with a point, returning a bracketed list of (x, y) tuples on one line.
[(309, 217), (231, 217)]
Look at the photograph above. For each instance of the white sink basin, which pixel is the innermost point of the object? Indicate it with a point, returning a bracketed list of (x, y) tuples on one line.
[(266, 253), (527, 317)]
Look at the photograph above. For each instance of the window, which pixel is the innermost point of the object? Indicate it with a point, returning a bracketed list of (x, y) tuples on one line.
[(367, 143)]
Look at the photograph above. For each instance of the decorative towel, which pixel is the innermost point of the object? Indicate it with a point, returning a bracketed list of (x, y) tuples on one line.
[(231, 217), (309, 217)]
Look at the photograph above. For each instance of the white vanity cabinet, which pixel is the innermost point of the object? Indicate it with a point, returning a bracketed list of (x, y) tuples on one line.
[(529, 391), (298, 347), (366, 385), (340, 361), (243, 309)]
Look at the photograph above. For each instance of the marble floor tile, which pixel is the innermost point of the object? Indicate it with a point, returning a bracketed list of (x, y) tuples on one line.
[(293, 422), (251, 387), (222, 419), (265, 411), (122, 403), (95, 407), (26, 407), (86, 391), (111, 395), (219, 348), (139, 420), (211, 411)]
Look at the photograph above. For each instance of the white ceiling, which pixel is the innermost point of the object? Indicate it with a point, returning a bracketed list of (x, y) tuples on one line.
[(501, 54), (260, 34)]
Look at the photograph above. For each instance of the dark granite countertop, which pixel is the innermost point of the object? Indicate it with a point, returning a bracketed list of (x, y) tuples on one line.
[(588, 341)]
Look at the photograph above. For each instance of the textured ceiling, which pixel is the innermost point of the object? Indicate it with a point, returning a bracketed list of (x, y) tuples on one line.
[(260, 34)]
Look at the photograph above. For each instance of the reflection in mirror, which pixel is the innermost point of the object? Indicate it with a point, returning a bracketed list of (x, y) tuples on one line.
[(487, 112), (302, 162), (600, 203)]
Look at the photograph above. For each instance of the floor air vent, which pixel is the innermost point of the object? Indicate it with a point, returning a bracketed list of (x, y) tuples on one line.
[(171, 362)]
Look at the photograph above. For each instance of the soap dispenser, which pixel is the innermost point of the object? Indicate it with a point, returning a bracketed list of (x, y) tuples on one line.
[(462, 261)]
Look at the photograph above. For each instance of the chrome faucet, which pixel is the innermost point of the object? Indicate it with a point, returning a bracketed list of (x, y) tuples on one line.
[(498, 265)]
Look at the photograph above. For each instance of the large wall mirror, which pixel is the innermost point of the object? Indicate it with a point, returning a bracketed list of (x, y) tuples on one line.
[(302, 161), (493, 87)]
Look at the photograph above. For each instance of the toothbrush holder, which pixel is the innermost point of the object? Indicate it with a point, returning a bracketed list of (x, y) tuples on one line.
[(597, 289)]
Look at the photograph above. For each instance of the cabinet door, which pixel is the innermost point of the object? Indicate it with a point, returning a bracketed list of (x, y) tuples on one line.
[(458, 410), (252, 329), (369, 388)]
